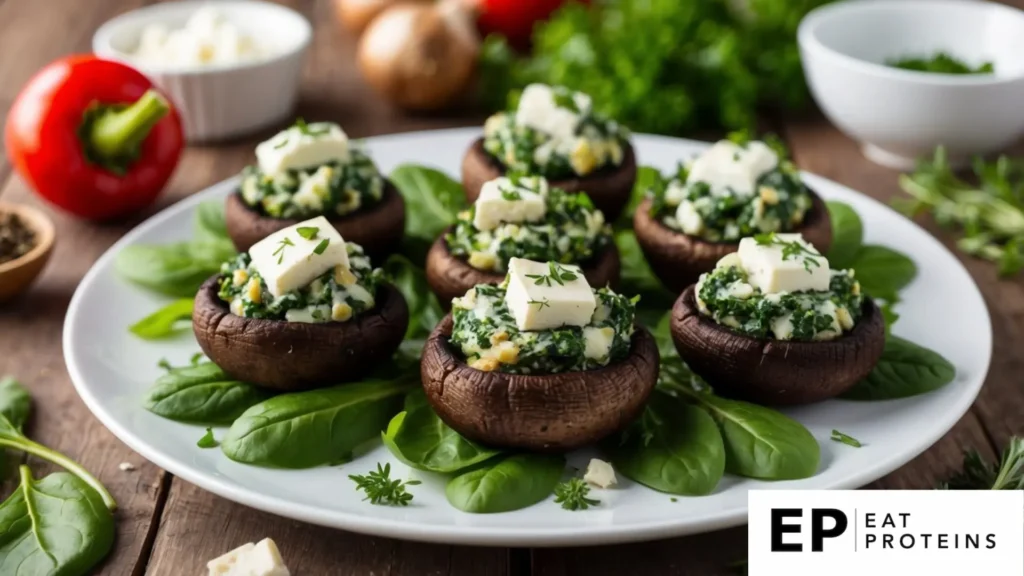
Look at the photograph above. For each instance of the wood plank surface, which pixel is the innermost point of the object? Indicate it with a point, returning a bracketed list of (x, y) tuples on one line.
[(167, 526)]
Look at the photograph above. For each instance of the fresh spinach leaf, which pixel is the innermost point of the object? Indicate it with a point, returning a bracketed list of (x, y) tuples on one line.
[(166, 321), (432, 199), (58, 526), (883, 272), (316, 427), (673, 447), (511, 483), (847, 235), (209, 222), (15, 402), (207, 440), (11, 437), (424, 310), (202, 394), (172, 269), (905, 369), (662, 333), (420, 439), (637, 277)]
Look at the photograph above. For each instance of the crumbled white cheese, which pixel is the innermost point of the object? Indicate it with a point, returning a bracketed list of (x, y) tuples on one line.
[(502, 200), (539, 301), (768, 270), (689, 219), (126, 466), (207, 38), (600, 474), (260, 559), (539, 108), (303, 147), (288, 261), (315, 189), (598, 342), (727, 166)]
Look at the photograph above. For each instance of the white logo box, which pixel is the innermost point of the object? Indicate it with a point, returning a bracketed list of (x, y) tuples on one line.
[(905, 532)]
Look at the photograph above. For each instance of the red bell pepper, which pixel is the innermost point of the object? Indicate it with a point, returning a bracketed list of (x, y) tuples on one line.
[(93, 137), (514, 19)]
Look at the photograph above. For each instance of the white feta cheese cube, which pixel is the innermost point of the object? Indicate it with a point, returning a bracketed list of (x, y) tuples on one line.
[(305, 146), (771, 270), (544, 110), (545, 295), (292, 258), (502, 200), (260, 559), (600, 474), (728, 166)]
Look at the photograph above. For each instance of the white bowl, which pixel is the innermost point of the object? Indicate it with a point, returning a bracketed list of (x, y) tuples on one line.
[(901, 115), (221, 100)]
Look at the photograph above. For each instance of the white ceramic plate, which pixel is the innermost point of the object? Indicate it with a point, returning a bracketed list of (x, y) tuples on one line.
[(112, 370)]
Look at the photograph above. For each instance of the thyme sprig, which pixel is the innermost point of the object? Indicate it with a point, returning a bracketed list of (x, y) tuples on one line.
[(556, 275), (380, 489)]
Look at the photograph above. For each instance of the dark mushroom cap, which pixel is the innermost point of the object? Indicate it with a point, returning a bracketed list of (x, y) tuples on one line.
[(451, 277), (610, 188), (543, 412), (378, 230), (297, 356), (679, 259), (775, 372)]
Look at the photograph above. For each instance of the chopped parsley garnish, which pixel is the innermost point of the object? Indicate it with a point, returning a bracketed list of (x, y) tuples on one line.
[(838, 436), (510, 195), (572, 495), (322, 246), (791, 249), (380, 489), (308, 232), (564, 99), (556, 275), (284, 243), (309, 131), (940, 63)]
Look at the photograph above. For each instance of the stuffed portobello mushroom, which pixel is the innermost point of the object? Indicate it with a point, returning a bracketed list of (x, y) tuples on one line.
[(692, 218), (540, 362), (303, 308), (314, 170), (772, 323), (555, 133), (521, 217)]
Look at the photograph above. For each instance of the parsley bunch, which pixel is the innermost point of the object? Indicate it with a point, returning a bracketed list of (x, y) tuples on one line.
[(990, 213), (663, 66)]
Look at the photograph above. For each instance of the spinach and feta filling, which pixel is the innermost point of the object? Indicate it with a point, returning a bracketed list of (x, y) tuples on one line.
[(311, 170), (733, 190), (522, 217), (486, 333), (780, 288), (554, 132), (337, 295)]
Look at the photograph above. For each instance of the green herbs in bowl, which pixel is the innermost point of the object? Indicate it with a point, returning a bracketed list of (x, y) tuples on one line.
[(940, 63)]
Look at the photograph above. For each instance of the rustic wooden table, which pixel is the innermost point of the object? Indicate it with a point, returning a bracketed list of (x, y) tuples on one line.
[(168, 526)]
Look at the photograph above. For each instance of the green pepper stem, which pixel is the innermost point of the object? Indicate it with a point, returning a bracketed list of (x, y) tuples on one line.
[(26, 445), (117, 133)]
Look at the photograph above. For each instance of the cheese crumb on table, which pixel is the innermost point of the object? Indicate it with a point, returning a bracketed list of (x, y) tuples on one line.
[(546, 295), (292, 258), (126, 466), (260, 559), (600, 474)]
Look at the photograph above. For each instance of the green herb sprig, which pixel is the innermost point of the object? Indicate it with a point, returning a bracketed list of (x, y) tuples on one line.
[(572, 495), (380, 489), (284, 243), (838, 436), (791, 249), (556, 275), (978, 474)]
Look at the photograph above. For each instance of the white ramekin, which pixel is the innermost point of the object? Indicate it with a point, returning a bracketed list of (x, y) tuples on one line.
[(220, 101), (901, 115)]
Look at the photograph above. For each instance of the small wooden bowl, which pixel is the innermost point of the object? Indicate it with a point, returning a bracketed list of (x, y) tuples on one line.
[(18, 274)]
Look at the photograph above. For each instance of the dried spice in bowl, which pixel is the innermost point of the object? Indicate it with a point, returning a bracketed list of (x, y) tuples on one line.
[(16, 238)]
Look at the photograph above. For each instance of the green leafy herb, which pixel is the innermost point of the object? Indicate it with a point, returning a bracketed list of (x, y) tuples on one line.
[(165, 364), (541, 304), (791, 249), (165, 322), (977, 474), (940, 63), (196, 358), (696, 65), (673, 447), (838, 436), (421, 440), (883, 272), (905, 369), (508, 484), (434, 197), (380, 489), (308, 232), (58, 525), (572, 495), (300, 429), (308, 130), (15, 402), (990, 214), (201, 393), (281, 245), (847, 235), (511, 195), (424, 310), (322, 246), (556, 275), (207, 441)]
